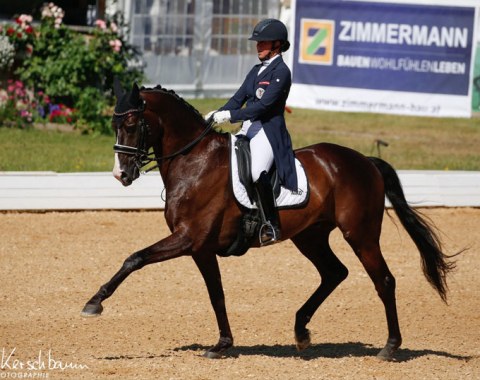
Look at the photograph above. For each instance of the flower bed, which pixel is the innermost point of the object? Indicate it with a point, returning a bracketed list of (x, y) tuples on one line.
[(52, 73)]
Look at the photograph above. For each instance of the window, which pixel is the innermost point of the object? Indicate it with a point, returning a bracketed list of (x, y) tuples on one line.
[(164, 27), (232, 25)]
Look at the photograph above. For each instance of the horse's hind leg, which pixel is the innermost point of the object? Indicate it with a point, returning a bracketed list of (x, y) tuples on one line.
[(313, 243), (368, 251)]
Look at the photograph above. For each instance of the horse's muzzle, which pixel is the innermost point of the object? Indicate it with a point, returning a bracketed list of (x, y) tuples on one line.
[(125, 179)]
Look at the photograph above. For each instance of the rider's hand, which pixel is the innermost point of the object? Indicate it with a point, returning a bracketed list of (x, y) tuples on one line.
[(208, 115), (221, 117)]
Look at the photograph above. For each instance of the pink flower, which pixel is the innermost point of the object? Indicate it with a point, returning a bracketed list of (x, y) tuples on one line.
[(101, 24), (50, 10), (113, 27), (116, 45), (24, 20)]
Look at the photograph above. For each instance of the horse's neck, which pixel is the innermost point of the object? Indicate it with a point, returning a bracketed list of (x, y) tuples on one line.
[(200, 152), (179, 134), (179, 121)]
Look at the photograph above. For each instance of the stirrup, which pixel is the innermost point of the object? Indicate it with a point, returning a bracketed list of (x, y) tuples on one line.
[(268, 234)]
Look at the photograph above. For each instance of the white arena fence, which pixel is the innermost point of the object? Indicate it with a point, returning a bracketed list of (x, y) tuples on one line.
[(41, 191)]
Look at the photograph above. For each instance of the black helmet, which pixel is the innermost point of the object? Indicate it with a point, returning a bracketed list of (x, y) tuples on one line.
[(271, 29)]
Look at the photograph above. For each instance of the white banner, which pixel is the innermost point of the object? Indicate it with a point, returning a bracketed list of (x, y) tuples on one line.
[(360, 56)]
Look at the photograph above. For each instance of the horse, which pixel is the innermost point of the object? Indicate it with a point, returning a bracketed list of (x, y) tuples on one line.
[(347, 191)]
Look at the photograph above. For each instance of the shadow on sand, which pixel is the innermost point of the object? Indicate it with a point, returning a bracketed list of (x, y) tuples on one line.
[(325, 350)]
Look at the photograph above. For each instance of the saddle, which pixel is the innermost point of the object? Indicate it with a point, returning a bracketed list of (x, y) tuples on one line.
[(244, 161), (250, 221), (240, 168)]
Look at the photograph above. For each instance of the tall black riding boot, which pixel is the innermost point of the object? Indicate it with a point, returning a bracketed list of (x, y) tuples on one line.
[(270, 229)]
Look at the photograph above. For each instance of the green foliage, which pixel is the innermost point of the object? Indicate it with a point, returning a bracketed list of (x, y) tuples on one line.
[(75, 70), (92, 106), (108, 37), (59, 65)]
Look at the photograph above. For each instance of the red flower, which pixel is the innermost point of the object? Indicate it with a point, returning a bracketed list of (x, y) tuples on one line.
[(29, 29), (10, 31)]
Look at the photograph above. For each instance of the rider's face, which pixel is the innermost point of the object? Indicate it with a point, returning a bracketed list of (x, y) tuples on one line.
[(264, 48)]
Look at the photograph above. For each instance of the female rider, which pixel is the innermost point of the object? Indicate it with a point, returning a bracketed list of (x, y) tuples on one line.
[(265, 91)]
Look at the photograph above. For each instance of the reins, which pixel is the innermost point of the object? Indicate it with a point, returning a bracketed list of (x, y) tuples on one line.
[(141, 156)]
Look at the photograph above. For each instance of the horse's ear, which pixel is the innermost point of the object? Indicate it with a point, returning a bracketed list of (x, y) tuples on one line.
[(135, 98), (135, 90), (117, 88)]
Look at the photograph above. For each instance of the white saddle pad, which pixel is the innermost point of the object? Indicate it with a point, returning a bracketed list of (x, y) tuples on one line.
[(286, 198)]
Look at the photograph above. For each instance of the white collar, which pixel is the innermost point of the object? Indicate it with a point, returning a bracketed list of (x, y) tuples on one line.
[(269, 61)]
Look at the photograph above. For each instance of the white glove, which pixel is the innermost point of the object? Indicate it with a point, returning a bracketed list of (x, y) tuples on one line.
[(207, 116), (221, 117)]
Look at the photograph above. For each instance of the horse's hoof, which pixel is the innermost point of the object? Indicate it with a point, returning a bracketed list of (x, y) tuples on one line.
[(303, 341), (212, 355), (217, 351), (386, 354), (92, 310)]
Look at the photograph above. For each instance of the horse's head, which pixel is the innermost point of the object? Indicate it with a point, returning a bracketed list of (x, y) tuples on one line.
[(131, 147), (152, 118)]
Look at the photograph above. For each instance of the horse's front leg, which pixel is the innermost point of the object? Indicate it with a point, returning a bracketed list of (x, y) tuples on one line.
[(208, 266), (173, 246)]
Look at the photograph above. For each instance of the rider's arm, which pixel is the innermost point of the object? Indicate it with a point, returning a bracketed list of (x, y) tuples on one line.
[(275, 96)]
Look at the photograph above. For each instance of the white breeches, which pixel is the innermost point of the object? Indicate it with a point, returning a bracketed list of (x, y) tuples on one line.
[(260, 149)]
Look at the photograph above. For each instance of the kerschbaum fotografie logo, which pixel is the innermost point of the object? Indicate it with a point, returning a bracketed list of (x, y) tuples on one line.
[(13, 366)]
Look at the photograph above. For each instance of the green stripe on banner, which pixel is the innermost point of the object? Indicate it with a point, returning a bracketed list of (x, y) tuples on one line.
[(317, 40)]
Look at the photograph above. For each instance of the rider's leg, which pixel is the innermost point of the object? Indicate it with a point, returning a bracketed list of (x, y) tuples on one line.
[(262, 154), (262, 160), (270, 230)]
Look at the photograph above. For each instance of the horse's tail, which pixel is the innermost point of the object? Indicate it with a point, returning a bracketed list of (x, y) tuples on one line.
[(435, 263)]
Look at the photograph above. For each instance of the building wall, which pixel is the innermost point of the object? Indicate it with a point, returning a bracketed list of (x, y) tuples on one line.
[(197, 47)]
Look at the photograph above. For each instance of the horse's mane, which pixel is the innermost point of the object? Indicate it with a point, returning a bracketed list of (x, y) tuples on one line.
[(159, 88)]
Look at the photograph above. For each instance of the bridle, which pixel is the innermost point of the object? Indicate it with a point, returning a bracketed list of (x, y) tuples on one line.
[(141, 156)]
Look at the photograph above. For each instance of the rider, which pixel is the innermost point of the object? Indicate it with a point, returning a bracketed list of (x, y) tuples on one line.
[(265, 91)]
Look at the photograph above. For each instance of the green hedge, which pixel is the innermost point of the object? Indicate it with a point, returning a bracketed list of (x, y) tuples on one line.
[(62, 75)]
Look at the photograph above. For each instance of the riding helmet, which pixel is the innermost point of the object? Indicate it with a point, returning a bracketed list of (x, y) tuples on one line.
[(271, 29)]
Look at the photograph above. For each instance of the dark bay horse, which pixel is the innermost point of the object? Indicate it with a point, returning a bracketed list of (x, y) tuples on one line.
[(347, 190)]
